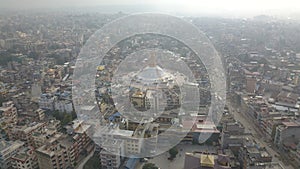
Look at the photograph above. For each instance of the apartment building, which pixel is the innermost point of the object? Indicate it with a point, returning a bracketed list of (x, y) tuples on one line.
[(7, 150), (25, 159)]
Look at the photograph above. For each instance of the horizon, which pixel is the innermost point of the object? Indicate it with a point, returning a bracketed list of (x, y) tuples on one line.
[(229, 8)]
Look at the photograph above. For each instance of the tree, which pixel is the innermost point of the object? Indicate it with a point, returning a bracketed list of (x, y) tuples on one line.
[(63, 117), (74, 115), (5, 58), (173, 152), (2, 99), (150, 166), (67, 118)]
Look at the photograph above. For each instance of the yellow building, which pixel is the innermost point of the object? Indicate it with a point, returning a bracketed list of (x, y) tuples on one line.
[(138, 99), (207, 160), (101, 67)]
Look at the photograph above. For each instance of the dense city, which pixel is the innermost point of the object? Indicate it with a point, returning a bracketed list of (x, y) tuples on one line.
[(259, 127)]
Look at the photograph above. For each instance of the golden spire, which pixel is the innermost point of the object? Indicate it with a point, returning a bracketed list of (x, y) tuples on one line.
[(152, 61)]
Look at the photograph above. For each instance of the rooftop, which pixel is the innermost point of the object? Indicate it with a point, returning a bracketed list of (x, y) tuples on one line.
[(10, 145), (207, 160), (23, 154), (291, 124)]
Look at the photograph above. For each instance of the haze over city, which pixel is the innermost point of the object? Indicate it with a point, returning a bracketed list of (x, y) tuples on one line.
[(149, 84), (226, 8)]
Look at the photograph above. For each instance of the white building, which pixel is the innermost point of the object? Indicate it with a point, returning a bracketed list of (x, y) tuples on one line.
[(110, 156), (46, 101), (63, 106)]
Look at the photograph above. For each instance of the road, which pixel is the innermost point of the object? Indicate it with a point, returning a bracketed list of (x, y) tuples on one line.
[(257, 134)]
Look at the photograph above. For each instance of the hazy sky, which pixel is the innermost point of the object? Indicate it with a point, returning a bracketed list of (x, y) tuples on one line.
[(234, 7)]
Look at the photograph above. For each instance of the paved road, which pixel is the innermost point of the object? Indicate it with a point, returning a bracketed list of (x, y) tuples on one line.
[(258, 135)]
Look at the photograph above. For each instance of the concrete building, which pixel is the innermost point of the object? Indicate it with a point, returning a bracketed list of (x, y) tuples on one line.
[(54, 124), (288, 130), (110, 156), (55, 156), (63, 106), (46, 102), (133, 143), (253, 157), (130, 142), (46, 136), (154, 100), (24, 133), (232, 134), (62, 151), (138, 100), (8, 150), (250, 84), (81, 142), (200, 130), (287, 99), (40, 114), (25, 159), (9, 112)]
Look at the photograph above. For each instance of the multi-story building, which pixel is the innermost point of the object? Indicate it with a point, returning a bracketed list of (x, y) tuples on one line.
[(9, 112), (62, 151), (117, 142), (46, 102), (24, 133), (253, 156), (46, 136), (287, 99), (232, 134), (81, 141), (130, 145), (8, 150), (138, 99), (54, 124), (55, 156), (25, 159), (288, 130), (63, 106), (202, 130), (250, 84), (110, 156), (40, 114)]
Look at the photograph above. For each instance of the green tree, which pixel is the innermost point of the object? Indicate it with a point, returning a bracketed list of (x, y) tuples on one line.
[(2, 99), (67, 118), (5, 58), (74, 115), (150, 166), (63, 117), (173, 152)]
